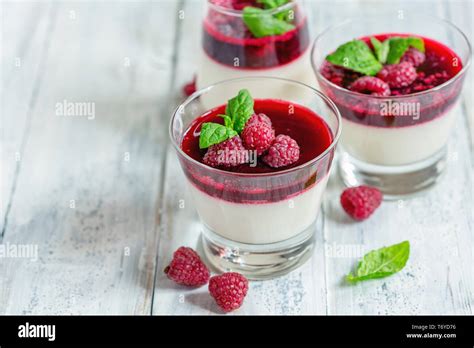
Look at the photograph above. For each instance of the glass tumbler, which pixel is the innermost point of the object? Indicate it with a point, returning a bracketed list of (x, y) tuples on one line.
[(396, 143), (259, 224)]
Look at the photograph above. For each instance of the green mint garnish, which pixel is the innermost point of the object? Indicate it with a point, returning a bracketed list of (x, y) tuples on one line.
[(399, 45), (227, 121), (214, 133), (417, 42), (237, 112), (272, 3), (356, 55), (261, 23), (239, 109), (381, 263), (380, 49)]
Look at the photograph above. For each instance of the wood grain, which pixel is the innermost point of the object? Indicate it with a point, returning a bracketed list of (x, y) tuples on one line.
[(87, 190)]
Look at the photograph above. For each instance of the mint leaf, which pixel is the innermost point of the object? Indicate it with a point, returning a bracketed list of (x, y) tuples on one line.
[(239, 109), (227, 121), (272, 3), (399, 45), (262, 23), (380, 49), (214, 133), (357, 56), (381, 263), (416, 42)]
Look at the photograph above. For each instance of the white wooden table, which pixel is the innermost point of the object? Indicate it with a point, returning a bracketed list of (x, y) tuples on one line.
[(100, 197)]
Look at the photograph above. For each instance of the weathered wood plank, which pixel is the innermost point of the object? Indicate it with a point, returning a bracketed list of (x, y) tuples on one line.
[(88, 188), (24, 45)]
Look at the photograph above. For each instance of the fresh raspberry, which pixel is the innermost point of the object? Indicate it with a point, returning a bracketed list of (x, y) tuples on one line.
[(423, 82), (360, 202), (258, 135), (229, 153), (187, 268), (332, 73), (260, 118), (338, 75), (283, 151), (229, 290), (398, 75), (371, 85), (413, 56), (190, 88)]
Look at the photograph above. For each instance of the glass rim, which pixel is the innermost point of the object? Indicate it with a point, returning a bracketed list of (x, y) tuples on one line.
[(204, 90), (239, 13), (461, 73)]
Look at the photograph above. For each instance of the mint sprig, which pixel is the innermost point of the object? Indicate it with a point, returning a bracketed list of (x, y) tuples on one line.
[(239, 109), (214, 133), (399, 45), (272, 3), (263, 23), (380, 49), (381, 263), (237, 112), (356, 55)]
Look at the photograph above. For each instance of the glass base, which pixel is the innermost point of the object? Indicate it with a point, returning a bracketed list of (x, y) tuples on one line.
[(395, 182), (258, 261)]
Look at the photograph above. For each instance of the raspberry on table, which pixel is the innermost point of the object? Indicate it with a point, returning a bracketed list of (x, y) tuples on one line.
[(258, 134), (229, 290), (229, 153), (190, 88), (360, 202), (283, 152), (371, 85), (413, 56), (187, 268), (398, 75)]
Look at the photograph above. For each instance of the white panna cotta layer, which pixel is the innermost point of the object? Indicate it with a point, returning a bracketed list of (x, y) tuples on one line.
[(260, 223), (399, 145)]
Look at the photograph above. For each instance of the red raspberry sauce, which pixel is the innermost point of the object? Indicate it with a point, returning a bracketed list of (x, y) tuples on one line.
[(309, 130)]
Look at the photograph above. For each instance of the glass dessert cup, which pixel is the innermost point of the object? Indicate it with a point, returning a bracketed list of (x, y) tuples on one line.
[(396, 143), (229, 50), (259, 224)]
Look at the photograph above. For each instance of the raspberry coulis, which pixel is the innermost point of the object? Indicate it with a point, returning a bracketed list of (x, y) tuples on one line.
[(437, 69), (310, 131), (227, 41)]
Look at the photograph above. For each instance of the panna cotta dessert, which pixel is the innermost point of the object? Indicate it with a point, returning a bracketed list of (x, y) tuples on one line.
[(395, 91), (268, 210), (257, 169), (254, 38), (403, 129)]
